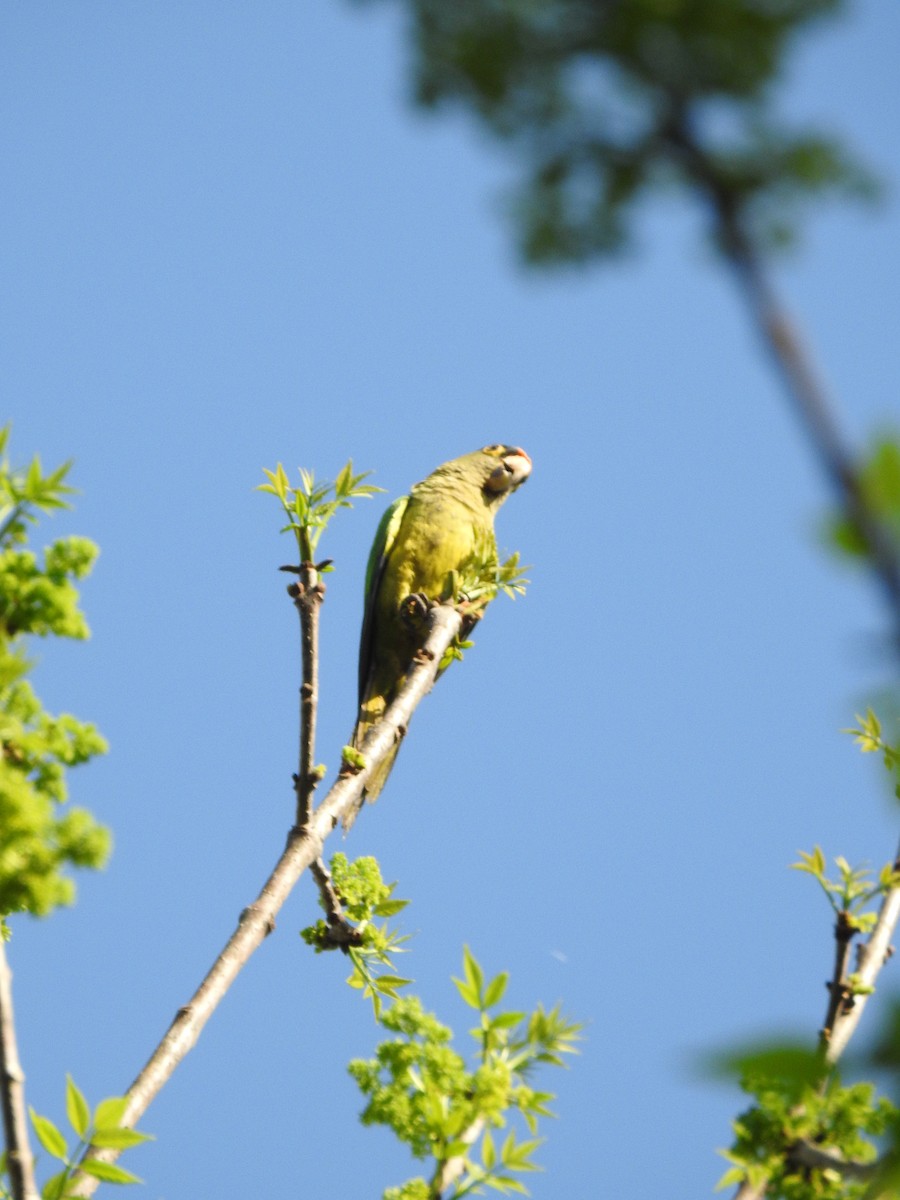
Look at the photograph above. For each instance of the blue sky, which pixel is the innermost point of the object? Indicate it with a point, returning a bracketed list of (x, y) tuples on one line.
[(229, 241)]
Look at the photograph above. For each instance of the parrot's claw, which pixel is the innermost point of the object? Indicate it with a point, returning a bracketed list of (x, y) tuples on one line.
[(415, 608)]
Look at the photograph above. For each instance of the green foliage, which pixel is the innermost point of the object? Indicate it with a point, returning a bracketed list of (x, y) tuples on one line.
[(103, 1129), (484, 579), (364, 898), (800, 1102), (417, 1084), (854, 888), (475, 587), (311, 506), (869, 737), (792, 1107), (39, 598), (444, 1108), (602, 103), (878, 478)]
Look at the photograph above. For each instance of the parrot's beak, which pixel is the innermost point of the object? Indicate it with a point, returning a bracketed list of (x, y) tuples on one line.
[(512, 471)]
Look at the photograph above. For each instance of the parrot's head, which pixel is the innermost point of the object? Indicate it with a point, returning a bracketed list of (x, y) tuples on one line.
[(504, 469)]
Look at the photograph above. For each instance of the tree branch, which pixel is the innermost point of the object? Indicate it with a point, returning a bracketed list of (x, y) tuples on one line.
[(304, 846), (340, 931), (19, 1158), (448, 1172), (807, 1154), (805, 391), (307, 594), (809, 400), (811, 405), (839, 994), (873, 954)]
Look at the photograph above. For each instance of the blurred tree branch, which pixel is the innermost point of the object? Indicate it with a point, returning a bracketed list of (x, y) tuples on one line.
[(19, 1157), (603, 103)]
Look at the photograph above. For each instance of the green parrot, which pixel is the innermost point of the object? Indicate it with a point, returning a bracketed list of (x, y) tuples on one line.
[(444, 524)]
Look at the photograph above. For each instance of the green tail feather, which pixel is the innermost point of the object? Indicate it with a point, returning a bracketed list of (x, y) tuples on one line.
[(376, 780)]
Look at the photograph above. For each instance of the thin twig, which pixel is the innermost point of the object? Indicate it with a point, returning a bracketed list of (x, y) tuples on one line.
[(307, 594), (303, 848), (19, 1158), (340, 931)]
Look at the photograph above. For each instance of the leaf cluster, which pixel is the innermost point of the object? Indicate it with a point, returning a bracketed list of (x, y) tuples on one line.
[(447, 1109), (38, 597), (311, 506), (853, 890), (103, 1128), (602, 103), (26, 492), (869, 737), (878, 480), (474, 587), (792, 1106), (367, 901)]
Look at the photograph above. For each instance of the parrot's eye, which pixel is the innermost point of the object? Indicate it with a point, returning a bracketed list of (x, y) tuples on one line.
[(495, 449)]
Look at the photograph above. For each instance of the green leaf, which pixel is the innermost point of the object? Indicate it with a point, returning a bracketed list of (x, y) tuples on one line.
[(469, 996), (108, 1172), (506, 1183), (54, 1188), (110, 1112), (49, 1136), (732, 1176), (77, 1110), (473, 972), (389, 983), (791, 1066), (119, 1139), (495, 989), (33, 480), (488, 1152), (506, 1020), (344, 480)]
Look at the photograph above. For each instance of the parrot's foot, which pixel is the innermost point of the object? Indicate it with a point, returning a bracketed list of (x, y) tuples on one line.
[(415, 609)]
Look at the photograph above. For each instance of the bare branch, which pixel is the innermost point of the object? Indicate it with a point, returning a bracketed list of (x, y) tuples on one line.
[(307, 593), (304, 846), (19, 1158)]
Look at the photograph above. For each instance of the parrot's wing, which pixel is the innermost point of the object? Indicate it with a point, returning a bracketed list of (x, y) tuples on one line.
[(385, 536)]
